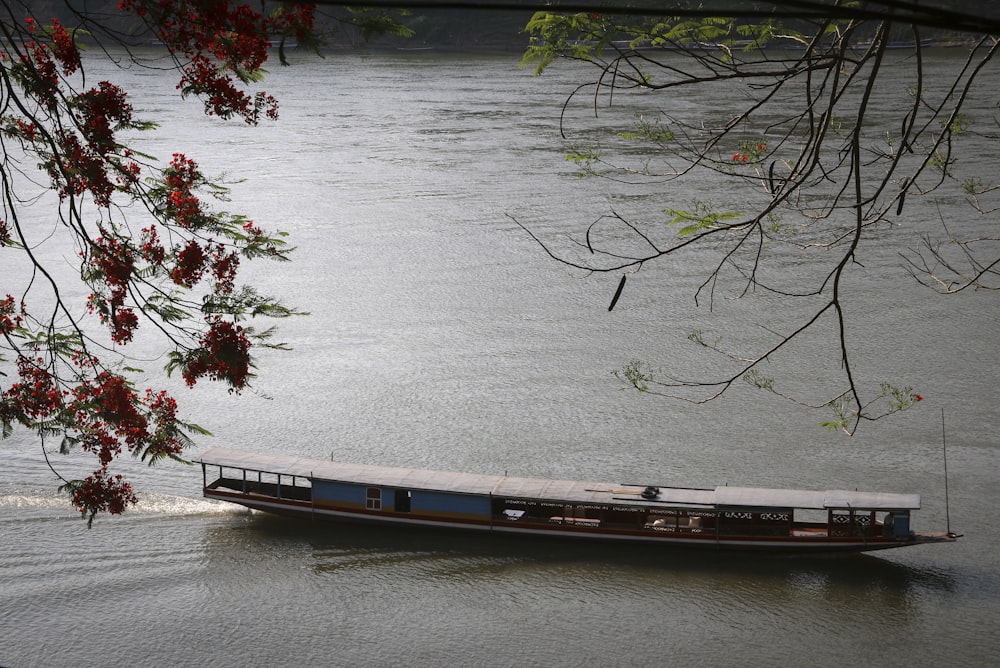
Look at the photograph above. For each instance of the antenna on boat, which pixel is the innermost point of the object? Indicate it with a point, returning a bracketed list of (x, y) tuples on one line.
[(944, 453)]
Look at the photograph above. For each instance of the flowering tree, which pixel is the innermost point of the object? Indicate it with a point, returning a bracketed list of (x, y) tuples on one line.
[(170, 267), (804, 172)]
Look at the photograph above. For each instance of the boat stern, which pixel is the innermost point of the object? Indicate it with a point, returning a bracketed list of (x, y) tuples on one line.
[(925, 537)]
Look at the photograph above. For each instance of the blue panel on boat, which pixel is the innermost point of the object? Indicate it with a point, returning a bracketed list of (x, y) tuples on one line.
[(443, 502), (901, 525), (325, 490)]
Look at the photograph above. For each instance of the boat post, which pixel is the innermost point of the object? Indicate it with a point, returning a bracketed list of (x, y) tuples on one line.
[(944, 455)]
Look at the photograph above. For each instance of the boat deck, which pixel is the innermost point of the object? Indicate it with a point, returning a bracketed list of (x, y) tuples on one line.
[(576, 492)]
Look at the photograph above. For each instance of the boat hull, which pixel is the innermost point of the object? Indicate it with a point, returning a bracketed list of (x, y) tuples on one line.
[(572, 529)]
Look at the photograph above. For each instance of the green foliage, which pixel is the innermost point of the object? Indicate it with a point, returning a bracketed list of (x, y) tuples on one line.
[(756, 379), (889, 400), (698, 336), (699, 220), (374, 22), (648, 130), (586, 161), (973, 186), (819, 161), (246, 302), (958, 124), (635, 374), (841, 411), (581, 36), (595, 37), (941, 161)]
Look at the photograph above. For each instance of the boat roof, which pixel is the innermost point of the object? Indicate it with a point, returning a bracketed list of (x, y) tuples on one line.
[(562, 491)]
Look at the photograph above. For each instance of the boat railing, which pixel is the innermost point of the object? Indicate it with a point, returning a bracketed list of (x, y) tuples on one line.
[(261, 488), (288, 488)]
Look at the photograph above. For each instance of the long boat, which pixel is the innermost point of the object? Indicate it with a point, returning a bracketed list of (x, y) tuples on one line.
[(745, 518)]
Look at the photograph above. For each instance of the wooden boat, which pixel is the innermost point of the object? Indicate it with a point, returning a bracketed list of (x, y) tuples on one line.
[(725, 517)]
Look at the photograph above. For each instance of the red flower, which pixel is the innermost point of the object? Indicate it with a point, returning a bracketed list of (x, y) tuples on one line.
[(224, 355), (190, 265), (10, 319), (64, 48), (181, 178), (224, 268), (124, 322), (36, 395), (102, 492), (151, 249)]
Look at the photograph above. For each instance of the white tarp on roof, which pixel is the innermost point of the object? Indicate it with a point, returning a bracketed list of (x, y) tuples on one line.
[(792, 498), (769, 498), (554, 490)]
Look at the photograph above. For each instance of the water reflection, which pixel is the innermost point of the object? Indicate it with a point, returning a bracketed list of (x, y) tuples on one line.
[(567, 603)]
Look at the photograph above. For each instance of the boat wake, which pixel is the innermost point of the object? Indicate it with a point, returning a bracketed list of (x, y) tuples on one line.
[(32, 502), (167, 504), (149, 504)]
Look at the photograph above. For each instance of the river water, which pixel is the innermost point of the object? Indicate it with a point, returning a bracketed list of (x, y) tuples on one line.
[(441, 336)]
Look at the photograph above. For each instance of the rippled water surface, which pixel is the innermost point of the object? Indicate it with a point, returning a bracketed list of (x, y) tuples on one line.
[(441, 336)]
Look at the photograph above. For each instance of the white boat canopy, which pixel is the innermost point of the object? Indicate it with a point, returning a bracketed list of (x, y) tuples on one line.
[(567, 491)]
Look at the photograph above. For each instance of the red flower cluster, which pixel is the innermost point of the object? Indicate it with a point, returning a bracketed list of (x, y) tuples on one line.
[(194, 259), (163, 441), (222, 42), (225, 266), (220, 46), (36, 71), (294, 19), (106, 411), (102, 492), (80, 162), (99, 109), (181, 178), (113, 263), (222, 97), (64, 48), (253, 232), (163, 412), (150, 248), (224, 355), (35, 395), (105, 414), (749, 152), (77, 169), (190, 264), (10, 318), (28, 131)]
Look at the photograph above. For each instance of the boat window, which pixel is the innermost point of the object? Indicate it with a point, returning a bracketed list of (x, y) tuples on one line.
[(373, 498), (853, 522), (811, 516)]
